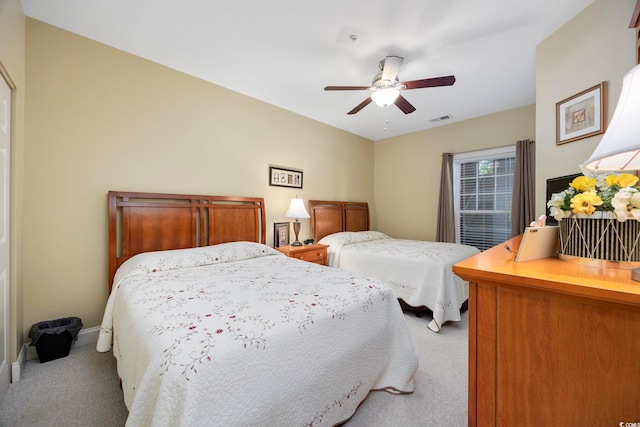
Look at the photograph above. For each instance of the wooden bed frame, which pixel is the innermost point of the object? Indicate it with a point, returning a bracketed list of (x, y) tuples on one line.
[(329, 217), (144, 222)]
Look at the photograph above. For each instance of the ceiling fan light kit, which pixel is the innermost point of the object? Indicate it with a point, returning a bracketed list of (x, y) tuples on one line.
[(386, 86), (385, 97)]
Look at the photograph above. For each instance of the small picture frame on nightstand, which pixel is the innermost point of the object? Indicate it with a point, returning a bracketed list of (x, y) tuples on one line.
[(280, 234)]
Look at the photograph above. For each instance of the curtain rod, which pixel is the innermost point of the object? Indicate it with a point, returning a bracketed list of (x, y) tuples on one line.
[(491, 148)]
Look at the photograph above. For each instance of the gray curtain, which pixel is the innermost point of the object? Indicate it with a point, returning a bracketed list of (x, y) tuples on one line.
[(446, 220), (522, 205)]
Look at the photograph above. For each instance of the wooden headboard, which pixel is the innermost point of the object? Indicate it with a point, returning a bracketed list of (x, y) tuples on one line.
[(144, 222), (329, 217)]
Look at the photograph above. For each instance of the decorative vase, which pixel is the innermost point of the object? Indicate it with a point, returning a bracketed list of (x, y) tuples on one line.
[(600, 237)]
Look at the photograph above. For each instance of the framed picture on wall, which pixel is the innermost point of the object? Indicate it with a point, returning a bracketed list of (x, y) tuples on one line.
[(581, 115), (280, 177), (280, 234)]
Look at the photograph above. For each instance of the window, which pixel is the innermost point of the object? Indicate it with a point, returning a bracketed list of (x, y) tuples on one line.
[(483, 184)]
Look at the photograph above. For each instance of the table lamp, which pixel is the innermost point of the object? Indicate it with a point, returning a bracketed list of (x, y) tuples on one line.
[(296, 211)]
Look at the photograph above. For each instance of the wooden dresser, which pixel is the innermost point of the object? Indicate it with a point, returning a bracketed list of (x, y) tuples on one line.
[(551, 343), (316, 252)]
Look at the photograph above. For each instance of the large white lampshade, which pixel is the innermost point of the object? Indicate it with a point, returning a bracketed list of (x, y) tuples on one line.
[(619, 149), (296, 210)]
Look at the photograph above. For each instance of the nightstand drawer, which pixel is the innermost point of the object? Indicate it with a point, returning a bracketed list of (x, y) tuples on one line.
[(315, 253), (319, 256)]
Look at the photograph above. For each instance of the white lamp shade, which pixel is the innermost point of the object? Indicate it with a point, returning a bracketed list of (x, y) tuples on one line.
[(385, 97), (296, 209), (619, 149)]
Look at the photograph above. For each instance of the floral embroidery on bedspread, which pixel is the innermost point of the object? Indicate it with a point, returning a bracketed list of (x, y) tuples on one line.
[(317, 419), (202, 311), (435, 252), (152, 262)]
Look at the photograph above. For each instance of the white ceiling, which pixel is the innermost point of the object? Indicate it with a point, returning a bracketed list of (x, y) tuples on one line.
[(285, 52)]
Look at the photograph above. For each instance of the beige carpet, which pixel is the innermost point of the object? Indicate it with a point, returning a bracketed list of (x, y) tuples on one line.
[(82, 389)]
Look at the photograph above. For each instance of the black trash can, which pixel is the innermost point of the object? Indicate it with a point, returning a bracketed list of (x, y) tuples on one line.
[(53, 338)]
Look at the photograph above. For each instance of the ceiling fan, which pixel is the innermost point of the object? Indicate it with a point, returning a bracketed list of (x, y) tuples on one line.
[(386, 86)]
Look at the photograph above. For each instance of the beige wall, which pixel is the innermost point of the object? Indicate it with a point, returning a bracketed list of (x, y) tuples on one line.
[(99, 119), (595, 46), (12, 54), (407, 168)]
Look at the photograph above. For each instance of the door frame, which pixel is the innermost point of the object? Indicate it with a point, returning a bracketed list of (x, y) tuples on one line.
[(5, 359)]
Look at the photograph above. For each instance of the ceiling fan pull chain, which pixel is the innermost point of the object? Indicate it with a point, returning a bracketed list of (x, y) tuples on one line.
[(386, 118)]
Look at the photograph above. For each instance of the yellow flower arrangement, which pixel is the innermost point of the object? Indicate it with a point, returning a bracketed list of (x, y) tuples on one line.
[(615, 193)]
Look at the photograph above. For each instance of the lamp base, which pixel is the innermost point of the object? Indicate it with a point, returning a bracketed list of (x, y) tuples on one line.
[(296, 230)]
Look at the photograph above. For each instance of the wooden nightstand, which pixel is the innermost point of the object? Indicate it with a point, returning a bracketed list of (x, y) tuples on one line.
[(313, 253)]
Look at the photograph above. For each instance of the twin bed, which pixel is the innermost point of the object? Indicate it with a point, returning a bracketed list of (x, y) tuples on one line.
[(211, 327), (419, 272)]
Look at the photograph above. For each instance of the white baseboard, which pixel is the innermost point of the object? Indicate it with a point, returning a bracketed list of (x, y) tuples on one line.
[(18, 366), (85, 336), (88, 336)]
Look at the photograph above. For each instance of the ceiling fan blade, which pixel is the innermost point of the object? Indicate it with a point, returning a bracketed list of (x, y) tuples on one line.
[(436, 81), (404, 105), (347, 87), (360, 106), (391, 68)]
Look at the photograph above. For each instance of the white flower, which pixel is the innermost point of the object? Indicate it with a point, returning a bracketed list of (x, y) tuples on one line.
[(626, 204), (601, 181), (555, 206)]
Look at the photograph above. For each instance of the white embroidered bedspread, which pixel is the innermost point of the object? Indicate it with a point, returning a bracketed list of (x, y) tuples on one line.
[(240, 335), (419, 271)]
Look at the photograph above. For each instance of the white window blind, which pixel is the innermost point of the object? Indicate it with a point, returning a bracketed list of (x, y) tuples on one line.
[(483, 185)]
